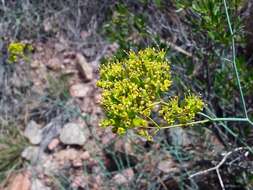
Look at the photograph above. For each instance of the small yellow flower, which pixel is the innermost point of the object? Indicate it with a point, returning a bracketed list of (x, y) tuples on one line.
[(121, 131)]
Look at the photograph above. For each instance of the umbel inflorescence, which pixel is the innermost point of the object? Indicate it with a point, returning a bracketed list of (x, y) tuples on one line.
[(133, 87)]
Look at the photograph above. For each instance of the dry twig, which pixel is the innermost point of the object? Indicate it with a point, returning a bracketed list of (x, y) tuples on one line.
[(217, 167)]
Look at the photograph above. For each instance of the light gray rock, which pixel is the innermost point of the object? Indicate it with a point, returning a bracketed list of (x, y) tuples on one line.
[(50, 167), (73, 134), (30, 153), (80, 90), (33, 133)]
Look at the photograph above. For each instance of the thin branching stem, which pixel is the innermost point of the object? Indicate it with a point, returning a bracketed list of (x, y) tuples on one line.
[(209, 119), (187, 124), (156, 124), (234, 59), (238, 119)]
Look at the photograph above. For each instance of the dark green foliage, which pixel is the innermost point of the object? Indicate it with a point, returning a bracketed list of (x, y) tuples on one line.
[(127, 28), (209, 18)]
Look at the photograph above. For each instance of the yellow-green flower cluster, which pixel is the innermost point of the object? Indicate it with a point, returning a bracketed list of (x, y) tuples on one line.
[(175, 111), (16, 51), (130, 88)]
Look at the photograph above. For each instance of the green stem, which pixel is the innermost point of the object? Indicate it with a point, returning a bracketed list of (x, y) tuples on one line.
[(250, 122), (209, 119), (234, 60), (205, 121), (186, 124), (230, 119), (158, 126), (225, 118)]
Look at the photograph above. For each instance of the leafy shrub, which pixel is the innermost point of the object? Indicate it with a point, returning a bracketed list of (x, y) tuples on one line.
[(133, 87), (126, 27), (129, 26), (210, 18)]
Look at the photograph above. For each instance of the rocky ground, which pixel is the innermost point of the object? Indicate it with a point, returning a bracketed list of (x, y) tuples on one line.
[(68, 150)]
